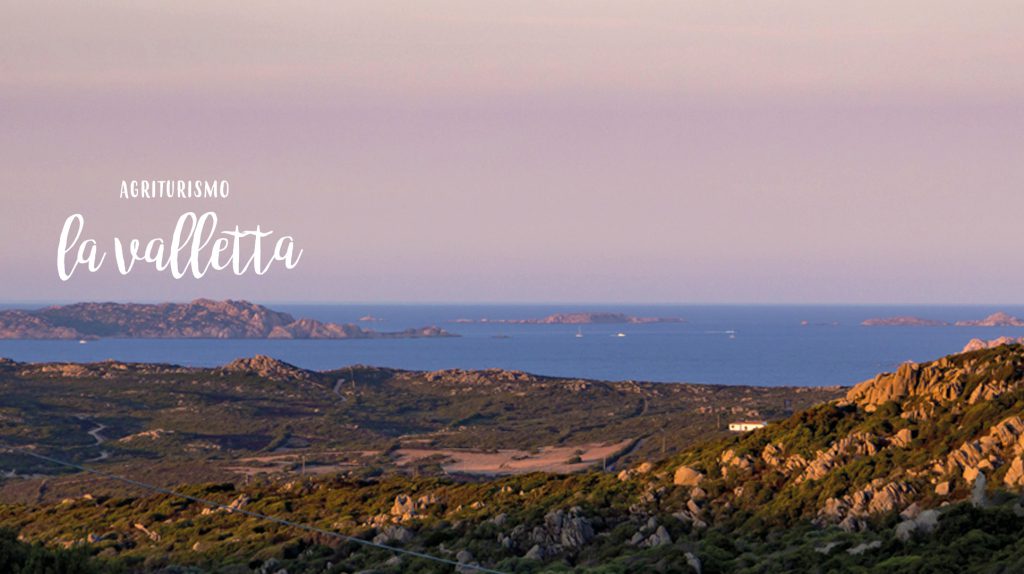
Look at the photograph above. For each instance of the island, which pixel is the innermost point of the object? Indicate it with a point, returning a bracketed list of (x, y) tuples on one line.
[(199, 319), (998, 319), (582, 318), (903, 321)]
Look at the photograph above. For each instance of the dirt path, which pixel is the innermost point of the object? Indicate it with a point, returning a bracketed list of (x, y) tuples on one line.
[(612, 464), (95, 433)]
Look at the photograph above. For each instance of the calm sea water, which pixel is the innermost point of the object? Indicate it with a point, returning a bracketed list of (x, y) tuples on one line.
[(755, 345)]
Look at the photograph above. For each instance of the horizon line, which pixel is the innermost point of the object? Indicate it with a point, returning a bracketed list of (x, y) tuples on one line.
[(428, 303)]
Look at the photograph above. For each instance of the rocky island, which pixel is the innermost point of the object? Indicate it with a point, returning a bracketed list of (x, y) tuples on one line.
[(583, 318), (903, 321), (200, 319), (998, 319)]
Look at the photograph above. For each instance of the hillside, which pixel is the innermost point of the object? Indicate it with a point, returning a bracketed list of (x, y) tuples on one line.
[(200, 319), (260, 417), (919, 470)]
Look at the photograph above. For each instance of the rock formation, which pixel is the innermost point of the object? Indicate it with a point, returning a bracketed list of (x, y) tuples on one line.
[(686, 476), (978, 344)]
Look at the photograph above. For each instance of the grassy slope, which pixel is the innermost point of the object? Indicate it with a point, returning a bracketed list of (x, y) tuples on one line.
[(760, 517)]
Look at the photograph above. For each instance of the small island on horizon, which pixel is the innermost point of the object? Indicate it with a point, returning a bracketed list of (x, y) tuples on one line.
[(580, 318), (199, 319), (997, 319)]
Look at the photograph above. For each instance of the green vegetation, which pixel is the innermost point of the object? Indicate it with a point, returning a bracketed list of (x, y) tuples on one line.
[(881, 481), (185, 425), (18, 557)]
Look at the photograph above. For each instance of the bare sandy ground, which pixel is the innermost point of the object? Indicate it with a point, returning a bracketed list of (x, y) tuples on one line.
[(287, 461), (511, 461)]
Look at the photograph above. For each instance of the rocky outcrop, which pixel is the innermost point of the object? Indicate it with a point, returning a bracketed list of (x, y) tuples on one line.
[(979, 493), (902, 438), (686, 476), (877, 497), (568, 529), (391, 533), (404, 509), (1015, 474), (640, 470), (1003, 441), (651, 535), (851, 446), (733, 464), (234, 506), (267, 368), (979, 344), (923, 523), (152, 535), (202, 319), (561, 531), (467, 563), (941, 381)]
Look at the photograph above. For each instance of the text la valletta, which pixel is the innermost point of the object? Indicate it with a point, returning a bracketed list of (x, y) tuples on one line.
[(195, 248)]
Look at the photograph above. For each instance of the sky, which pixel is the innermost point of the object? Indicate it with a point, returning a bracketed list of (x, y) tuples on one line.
[(578, 151)]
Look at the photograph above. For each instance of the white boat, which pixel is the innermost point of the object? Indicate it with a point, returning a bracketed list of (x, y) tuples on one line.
[(620, 334), (82, 341), (579, 333)]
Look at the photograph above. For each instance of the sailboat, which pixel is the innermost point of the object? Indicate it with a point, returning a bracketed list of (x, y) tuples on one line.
[(579, 332)]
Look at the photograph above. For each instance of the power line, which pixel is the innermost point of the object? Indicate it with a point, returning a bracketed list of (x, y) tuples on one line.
[(282, 521)]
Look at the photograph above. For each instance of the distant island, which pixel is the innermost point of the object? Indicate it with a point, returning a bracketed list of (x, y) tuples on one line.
[(200, 319), (998, 319), (903, 321), (583, 318)]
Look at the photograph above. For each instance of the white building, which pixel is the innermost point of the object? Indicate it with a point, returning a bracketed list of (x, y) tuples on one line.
[(744, 426)]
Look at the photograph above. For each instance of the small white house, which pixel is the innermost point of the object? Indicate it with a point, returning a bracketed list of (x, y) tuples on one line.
[(745, 426)]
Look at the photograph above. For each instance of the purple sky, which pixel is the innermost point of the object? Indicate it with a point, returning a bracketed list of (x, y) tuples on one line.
[(772, 152)]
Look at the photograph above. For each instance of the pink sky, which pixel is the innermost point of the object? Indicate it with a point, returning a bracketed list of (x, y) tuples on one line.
[(520, 151)]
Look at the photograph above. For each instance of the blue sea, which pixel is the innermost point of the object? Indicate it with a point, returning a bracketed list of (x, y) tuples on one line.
[(728, 344)]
